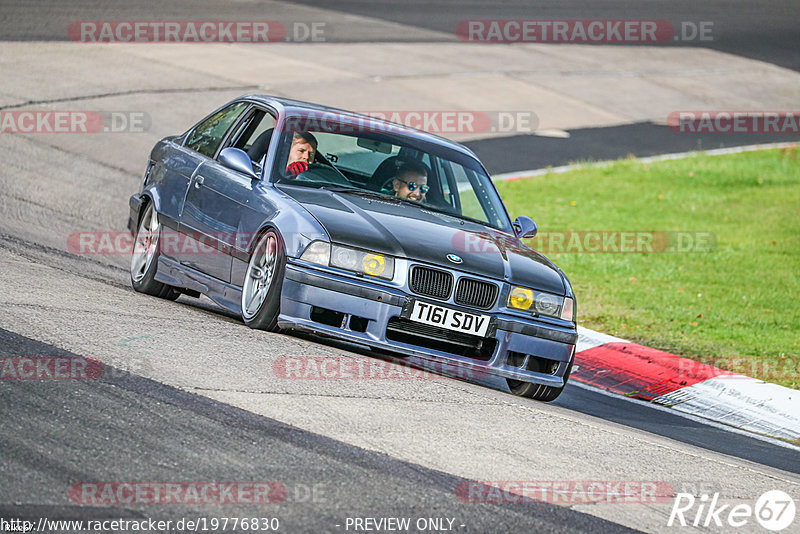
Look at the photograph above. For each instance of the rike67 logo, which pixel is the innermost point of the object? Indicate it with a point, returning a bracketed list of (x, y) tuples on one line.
[(774, 510)]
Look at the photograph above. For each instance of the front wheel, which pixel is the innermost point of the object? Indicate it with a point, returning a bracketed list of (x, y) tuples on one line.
[(537, 391), (261, 291), (144, 259)]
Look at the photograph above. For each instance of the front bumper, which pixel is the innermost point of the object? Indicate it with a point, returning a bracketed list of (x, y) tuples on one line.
[(366, 309)]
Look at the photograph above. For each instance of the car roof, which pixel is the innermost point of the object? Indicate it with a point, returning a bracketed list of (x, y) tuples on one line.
[(288, 105)]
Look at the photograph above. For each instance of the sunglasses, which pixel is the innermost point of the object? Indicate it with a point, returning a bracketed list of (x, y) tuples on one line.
[(412, 186)]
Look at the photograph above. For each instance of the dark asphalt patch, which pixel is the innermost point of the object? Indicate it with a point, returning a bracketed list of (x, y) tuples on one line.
[(525, 152)]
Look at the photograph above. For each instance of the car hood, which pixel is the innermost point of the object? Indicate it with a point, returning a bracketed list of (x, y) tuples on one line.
[(405, 230)]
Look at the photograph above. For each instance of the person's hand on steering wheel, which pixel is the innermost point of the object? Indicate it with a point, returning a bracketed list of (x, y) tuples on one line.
[(296, 168)]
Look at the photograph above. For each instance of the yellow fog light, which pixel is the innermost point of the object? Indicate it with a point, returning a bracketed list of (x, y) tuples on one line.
[(520, 298), (374, 264)]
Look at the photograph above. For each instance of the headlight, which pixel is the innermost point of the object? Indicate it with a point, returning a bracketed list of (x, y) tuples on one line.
[(547, 304), (522, 298), (345, 258), (350, 259), (363, 262)]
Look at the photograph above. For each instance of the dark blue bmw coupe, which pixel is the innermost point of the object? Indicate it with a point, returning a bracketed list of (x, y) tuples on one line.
[(303, 217)]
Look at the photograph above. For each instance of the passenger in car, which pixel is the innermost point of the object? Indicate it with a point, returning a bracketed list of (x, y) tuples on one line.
[(302, 152), (411, 181)]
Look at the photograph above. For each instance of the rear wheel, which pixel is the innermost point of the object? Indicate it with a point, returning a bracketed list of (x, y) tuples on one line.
[(144, 259), (261, 291), (538, 391)]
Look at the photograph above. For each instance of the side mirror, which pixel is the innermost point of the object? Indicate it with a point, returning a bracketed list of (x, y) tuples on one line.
[(525, 227), (238, 160)]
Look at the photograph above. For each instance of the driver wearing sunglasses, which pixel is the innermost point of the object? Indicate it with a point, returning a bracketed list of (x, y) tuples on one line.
[(411, 181)]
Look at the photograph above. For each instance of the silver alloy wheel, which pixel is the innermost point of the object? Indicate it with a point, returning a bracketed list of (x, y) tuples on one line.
[(146, 245), (260, 274)]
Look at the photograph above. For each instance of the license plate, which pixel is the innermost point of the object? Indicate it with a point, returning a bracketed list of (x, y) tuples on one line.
[(468, 323)]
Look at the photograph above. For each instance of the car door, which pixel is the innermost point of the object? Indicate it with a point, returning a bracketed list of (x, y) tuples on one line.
[(218, 198), (171, 169), (175, 164)]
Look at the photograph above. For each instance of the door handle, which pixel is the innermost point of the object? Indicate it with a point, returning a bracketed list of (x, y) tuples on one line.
[(198, 182)]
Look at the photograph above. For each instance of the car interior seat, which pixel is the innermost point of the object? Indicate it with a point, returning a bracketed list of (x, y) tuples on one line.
[(384, 173), (259, 147)]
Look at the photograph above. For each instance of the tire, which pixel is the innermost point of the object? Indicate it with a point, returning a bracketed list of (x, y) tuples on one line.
[(144, 258), (537, 391), (261, 290)]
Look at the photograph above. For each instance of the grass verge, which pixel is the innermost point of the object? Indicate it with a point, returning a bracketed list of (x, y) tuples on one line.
[(720, 280)]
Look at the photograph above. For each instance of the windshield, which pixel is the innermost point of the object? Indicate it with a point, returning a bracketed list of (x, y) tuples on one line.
[(378, 160)]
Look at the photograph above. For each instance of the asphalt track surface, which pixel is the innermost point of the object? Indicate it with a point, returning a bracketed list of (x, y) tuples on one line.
[(644, 416), (126, 426), (106, 429)]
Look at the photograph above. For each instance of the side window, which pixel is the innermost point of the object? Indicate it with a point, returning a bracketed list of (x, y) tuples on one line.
[(254, 134), (207, 136), (470, 205), (463, 195), (445, 179)]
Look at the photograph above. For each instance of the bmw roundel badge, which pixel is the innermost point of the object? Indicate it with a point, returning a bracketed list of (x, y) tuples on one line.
[(454, 258)]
